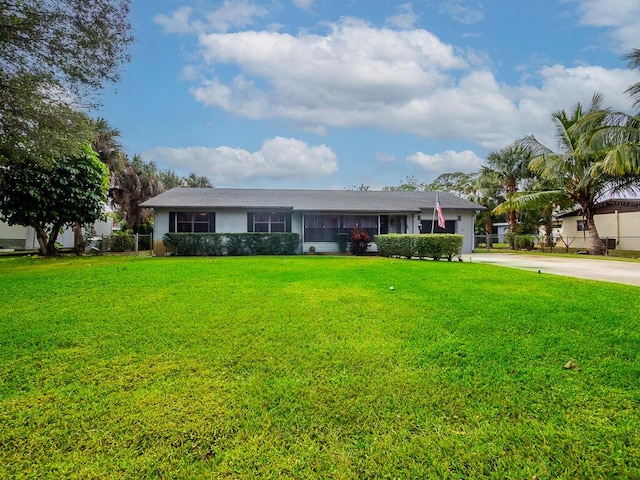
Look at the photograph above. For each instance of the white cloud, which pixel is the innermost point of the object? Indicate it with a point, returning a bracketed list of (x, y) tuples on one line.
[(621, 17), (237, 13), (279, 159), (460, 12), (178, 22), (405, 18), (385, 158), (357, 75), (449, 161), (304, 4)]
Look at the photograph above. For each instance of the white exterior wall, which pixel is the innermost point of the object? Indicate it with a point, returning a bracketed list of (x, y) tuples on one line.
[(12, 236), (235, 221), (625, 227)]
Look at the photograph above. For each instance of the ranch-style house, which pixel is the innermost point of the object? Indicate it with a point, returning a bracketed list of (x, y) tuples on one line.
[(316, 215)]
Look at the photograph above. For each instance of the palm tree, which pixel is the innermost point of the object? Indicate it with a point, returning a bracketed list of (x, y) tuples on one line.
[(633, 58), (106, 143), (577, 169), (507, 168), (137, 182), (197, 181)]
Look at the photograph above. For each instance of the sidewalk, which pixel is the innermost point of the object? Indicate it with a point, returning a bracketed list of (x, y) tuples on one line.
[(588, 268)]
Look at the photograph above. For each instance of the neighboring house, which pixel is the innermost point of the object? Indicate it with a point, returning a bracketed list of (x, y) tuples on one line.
[(316, 215), (16, 236), (617, 221), (500, 229)]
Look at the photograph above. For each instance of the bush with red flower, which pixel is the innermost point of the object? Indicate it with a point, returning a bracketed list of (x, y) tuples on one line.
[(360, 241)]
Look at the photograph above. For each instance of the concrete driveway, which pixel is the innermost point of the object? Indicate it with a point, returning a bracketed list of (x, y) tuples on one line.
[(591, 269)]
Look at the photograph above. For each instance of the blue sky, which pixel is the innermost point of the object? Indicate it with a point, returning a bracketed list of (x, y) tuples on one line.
[(329, 94)]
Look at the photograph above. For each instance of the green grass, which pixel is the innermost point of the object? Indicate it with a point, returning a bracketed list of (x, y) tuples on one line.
[(312, 367)]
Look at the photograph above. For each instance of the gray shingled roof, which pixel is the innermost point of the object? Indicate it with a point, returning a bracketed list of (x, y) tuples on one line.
[(308, 200)]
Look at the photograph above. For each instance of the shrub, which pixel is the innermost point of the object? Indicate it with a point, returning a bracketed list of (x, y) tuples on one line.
[(218, 244), (435, 246), (360, 241), (343, 242), (121, 242), (520, 242)]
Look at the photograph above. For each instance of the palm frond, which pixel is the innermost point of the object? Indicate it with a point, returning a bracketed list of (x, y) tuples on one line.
[(530, 200)]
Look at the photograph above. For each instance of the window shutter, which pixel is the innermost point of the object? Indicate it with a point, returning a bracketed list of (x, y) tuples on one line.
[(287, 222), (249, 222), (212, 222), (172, 222)]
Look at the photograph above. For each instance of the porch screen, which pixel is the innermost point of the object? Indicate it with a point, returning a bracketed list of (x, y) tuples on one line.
[(321, 228)]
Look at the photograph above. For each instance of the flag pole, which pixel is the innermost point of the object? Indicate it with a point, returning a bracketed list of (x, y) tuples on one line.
[(433, 217)]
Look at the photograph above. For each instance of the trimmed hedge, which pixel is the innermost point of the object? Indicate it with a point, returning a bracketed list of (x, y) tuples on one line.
[(520, 242), (434, 246), (219, 244)]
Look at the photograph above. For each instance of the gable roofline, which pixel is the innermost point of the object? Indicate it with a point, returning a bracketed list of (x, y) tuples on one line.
[(632, 204), (369, 201)]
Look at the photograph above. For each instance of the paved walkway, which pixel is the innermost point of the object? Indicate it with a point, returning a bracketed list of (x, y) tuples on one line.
[(591, 269)]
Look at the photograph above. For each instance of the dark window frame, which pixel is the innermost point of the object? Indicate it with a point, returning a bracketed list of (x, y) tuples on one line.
[(269, 222), (192, 222)]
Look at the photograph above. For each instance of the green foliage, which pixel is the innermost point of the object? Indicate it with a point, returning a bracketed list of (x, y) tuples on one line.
[(48, 49), (434, 246), (343, 242), (253, 367), (235, 244), (520, 241), (121, 241), (48, 199)]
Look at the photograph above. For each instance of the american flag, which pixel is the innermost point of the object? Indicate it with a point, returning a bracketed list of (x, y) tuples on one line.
[(441, 222)]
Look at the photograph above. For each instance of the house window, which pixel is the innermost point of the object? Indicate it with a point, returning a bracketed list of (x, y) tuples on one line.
[(449, 226), (192, 222), (268, 222), (582, 226)]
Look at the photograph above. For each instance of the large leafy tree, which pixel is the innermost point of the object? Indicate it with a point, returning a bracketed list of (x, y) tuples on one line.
[(54, 56), (52, 197), (581, 168)]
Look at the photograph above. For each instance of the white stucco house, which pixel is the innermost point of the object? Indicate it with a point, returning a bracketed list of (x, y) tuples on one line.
[(316, 215), (617, 221)]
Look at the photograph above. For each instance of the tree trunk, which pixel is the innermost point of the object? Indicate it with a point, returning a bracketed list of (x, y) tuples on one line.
[(597, 246), (489, 228), (47, 242), (78, 243)]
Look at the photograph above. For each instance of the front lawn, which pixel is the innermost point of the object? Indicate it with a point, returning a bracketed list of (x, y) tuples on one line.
[(314, 366)]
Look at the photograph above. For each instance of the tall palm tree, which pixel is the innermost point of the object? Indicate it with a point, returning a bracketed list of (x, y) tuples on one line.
[(137, 182), (633, 57), (507, 168), (577, 167)]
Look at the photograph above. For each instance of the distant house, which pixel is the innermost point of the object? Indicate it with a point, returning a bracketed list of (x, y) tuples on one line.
[(617, 221), (316, 215), (19, 237)]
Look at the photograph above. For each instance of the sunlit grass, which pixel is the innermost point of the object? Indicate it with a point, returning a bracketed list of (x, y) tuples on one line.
[(120, 367)]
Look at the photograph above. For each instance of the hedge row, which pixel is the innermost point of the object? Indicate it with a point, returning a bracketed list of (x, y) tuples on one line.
[(435, 246), (219, 244)]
